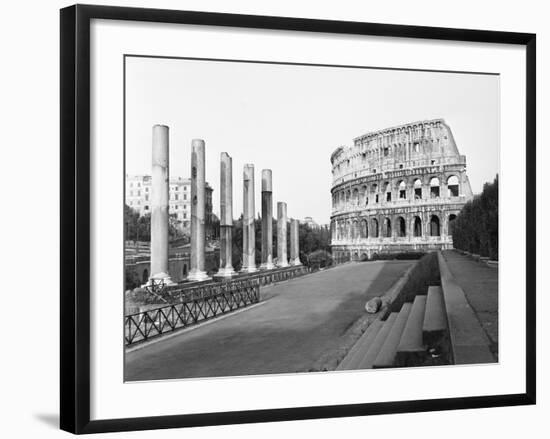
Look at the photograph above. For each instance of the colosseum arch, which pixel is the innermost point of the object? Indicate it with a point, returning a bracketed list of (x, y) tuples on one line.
[(365, 192), (402, 187), (375, 232), (387, 228), (434, 187), (417, 189), (387, 191), (364, 229), (355, 199), (417, 227), (453, 188), (435, 226), (400, 227)]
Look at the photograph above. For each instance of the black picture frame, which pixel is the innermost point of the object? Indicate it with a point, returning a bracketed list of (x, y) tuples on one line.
[(75, 216)]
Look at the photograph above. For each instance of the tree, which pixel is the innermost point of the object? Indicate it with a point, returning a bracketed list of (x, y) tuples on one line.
[(476, 227), (138, 228)]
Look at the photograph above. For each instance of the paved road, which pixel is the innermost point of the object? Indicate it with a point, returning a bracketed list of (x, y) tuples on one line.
[(480, 284), (299, 322)]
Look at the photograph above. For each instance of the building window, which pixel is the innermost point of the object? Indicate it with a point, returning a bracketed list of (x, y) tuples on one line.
[(146, 197), (146, 207), (185, 196), (434, 187), (185, 215), (177, 197), (402, 190), (452, 185), (417, 189)]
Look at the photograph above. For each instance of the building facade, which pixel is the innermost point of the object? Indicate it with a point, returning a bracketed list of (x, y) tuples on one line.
[(138, 195), (397, 190)]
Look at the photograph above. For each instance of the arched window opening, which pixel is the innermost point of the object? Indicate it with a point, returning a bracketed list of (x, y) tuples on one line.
[(417, 226), (452, 218), (356, 196), (355, 230), (387, 228), (348, 195), (434, 187), (375, 192), (401, 230), (402, 190), (374, 228), (452, 185), (145, 276), (434, 226), (388, 192), (185, 269), (417, 189)]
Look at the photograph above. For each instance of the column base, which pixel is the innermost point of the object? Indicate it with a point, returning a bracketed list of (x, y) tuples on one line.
[(283, 265), (252, 269), (295, 263), (226, 272), (197, 276), (267, 266)]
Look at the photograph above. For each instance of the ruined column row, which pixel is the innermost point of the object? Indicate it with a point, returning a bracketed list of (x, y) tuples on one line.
[(160, 216)]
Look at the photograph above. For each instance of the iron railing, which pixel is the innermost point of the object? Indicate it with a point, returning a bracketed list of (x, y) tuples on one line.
[(193, 305)]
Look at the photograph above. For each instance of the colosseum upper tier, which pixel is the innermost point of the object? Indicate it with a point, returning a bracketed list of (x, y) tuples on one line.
[(397, 190)]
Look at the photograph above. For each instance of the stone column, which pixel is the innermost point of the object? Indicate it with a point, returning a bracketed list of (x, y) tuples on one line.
[(198, 212), (249, 235), (267, 220), (159, 206), (226, 216), (281, 235), (295, 242)]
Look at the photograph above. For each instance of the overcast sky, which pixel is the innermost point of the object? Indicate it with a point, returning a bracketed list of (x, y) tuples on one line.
[(291, 118)]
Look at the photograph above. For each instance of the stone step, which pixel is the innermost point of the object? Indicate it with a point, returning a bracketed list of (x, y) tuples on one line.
[(357, 352), (435, 317), (369, 357), (411, 350), (386, 356), (469, 342)]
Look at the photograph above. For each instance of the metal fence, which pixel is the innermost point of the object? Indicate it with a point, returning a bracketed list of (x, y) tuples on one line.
[(192, 306)]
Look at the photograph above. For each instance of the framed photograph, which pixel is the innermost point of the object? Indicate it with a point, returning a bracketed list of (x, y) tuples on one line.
[(274, 218)]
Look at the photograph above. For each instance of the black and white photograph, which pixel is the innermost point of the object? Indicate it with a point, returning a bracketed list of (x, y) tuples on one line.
[(284, 218)]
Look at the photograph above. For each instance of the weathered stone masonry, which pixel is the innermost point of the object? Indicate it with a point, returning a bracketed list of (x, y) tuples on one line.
[(397, 190)]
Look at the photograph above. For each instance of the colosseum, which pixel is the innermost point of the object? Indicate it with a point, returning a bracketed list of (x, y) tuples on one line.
[(397, 190)]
